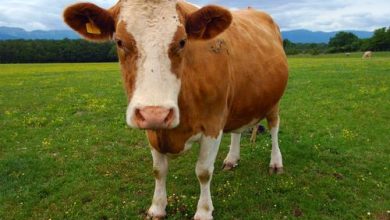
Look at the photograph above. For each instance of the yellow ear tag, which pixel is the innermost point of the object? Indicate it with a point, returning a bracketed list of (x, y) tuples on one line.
[(92, 29)]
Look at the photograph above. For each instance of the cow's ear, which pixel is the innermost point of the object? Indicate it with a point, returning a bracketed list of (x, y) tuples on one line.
[(92, 22), (207, 22)]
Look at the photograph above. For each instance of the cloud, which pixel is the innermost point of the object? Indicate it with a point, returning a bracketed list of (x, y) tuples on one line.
[(314, 15), (37, 14), (334, 15)]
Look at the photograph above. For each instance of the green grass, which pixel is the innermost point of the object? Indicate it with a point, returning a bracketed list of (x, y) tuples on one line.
[(342, 55), (66, 153)]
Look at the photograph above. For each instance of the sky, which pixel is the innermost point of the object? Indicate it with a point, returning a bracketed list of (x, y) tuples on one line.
[(315, 15)]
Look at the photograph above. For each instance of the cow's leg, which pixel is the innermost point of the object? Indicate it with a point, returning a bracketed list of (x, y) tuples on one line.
[(204, 171), (160, 170), (233, 156), (276, 164), (254, 134)]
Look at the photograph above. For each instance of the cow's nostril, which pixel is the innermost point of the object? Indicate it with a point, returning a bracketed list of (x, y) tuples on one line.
[(169, 117), (138, 115)]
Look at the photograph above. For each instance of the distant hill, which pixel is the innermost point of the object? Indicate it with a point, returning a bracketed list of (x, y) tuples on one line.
[(296, 36), (306, 36), (11, 33)]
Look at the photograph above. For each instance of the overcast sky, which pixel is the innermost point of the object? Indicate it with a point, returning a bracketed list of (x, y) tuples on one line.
[(316, 15)]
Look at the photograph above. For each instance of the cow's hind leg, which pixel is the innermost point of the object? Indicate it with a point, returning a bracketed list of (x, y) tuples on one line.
[(276, 164), (233, 156), (160, 170), (254, 134), (204, 170)]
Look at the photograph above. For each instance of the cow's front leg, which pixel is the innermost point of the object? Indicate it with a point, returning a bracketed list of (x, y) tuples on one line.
[(204, 170), (160, 170)]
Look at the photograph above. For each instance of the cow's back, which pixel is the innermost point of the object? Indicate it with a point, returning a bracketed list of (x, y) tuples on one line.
[(258, 67)]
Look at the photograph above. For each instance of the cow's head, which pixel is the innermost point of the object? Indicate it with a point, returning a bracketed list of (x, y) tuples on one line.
[(151, 38)]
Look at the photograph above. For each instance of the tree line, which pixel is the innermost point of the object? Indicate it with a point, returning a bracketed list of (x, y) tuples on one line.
[(50, 51), (343, 42)]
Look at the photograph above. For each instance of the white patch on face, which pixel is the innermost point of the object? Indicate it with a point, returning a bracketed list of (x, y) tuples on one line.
[(153, 24)]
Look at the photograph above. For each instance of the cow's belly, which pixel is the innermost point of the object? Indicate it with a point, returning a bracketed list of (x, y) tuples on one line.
[(249, 108), (251, 102), (239, 122), (244, 127)]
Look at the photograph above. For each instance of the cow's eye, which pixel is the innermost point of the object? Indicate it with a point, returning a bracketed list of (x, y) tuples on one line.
[(182, 43)]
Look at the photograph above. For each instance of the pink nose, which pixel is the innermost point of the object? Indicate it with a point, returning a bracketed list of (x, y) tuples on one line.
[(153, 117)]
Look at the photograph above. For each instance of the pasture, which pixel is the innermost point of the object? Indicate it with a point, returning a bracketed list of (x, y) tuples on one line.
[(66, 153)]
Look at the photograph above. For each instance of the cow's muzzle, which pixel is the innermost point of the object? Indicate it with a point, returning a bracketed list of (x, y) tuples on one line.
[(153, 117)]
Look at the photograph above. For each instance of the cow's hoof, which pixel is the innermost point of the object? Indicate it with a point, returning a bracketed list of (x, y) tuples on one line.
[(148, 217), (203, 216), (229, 166), (155, 214), (275, 170), (230, 163)]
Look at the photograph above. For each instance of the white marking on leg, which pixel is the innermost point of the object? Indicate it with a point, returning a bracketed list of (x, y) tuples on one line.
[(204, 171), (276, 155), (234, 153), (160, 169)]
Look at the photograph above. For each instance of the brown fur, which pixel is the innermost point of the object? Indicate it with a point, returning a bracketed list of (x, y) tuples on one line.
[(78, 15), (207, 22), (127, 54), (204, 177), (273, 118), (222, 90), (227, 90)]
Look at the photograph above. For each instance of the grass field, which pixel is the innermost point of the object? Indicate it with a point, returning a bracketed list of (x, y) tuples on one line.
[(66, 153), (342, 55)]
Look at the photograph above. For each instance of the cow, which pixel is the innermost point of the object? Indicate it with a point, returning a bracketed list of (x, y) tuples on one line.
[(367, 55), (190, 75)]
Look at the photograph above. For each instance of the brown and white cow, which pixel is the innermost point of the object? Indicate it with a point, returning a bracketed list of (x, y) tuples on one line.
[(192, 74)]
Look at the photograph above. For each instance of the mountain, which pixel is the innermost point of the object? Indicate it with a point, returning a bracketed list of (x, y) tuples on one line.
[(296, 36), (11, 33), (306, 36)]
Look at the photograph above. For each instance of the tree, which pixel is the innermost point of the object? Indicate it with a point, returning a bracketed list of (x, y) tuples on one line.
[(344, 42), (43, 51), (290, 47), (381, 40), (365, 44), (287, 43)]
